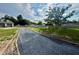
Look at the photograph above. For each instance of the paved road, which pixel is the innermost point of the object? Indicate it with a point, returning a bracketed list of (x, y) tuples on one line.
[(31, 43)]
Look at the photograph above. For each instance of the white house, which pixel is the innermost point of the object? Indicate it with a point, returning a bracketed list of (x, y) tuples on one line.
[(6, 23)]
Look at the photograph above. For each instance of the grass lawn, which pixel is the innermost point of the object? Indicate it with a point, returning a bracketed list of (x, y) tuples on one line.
[(6, 34), (72, 34)]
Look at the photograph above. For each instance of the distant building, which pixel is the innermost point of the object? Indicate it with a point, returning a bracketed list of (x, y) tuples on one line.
[(6, 23), (70, 25)]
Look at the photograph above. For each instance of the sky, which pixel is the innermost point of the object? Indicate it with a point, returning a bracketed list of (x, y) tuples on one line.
[(33, 11)]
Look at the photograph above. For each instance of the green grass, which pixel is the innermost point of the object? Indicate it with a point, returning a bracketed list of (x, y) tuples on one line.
[(65, 32), (72, 33), (6, 34)]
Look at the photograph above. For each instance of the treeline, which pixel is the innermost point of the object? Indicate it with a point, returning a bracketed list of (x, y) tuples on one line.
[(19, 20)]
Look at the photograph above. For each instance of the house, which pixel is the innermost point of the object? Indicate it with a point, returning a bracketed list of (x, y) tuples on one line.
[(6, 23)]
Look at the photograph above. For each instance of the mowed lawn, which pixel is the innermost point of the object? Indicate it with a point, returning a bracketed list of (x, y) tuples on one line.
[(7, 34), (71, 34)]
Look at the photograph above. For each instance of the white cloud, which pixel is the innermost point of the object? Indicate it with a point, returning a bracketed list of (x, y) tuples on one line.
[(75, 5), (1, 14), (42, 11), (27, 10), (49, 4)]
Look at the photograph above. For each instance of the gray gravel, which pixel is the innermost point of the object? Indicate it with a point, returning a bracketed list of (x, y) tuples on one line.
[(31, 43)]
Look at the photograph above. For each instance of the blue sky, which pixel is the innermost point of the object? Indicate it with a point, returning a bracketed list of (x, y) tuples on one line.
[(32, 11)]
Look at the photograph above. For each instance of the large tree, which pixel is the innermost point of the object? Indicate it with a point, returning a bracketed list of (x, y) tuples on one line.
[(6, 17), (39, 23), (55, 15), (19, 17), (22, 21)]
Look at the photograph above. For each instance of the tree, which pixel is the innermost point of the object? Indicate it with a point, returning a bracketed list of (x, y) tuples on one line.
[(75, 21), (19, 17), (6, 17), (25, 22), (22, 21), (39, 23), (28, 22), (56, 15), (33, 23), (13, 20)]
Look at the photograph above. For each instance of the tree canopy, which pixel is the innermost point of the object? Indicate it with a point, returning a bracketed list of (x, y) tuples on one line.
[(39, 23), (55, 15)]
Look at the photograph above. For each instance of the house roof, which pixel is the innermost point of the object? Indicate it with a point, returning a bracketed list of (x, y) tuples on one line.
[(8, 21)]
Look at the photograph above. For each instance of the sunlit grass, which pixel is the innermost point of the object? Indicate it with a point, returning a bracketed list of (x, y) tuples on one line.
[(72, 33), (6, 34)]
